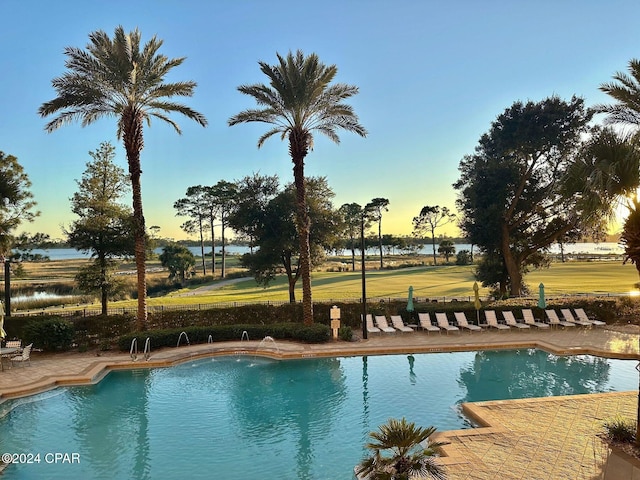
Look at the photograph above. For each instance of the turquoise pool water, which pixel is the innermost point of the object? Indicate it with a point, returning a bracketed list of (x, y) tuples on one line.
[(244, 417)]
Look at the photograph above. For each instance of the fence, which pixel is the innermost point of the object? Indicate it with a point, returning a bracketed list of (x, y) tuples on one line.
[(90, 312)]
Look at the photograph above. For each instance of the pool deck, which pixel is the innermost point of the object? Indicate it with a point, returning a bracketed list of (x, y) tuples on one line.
[(546, 438)]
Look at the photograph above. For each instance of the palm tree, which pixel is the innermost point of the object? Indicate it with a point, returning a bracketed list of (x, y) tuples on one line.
[(297, 102), (409, 457), (625, 89), (117, 77)]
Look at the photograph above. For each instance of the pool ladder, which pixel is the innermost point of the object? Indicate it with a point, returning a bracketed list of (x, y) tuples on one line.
[(133, 352), (180, 338)]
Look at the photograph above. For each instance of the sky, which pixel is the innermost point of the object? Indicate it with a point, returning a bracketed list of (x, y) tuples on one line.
[(432, 76)]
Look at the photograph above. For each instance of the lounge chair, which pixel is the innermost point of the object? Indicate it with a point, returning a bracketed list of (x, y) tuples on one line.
[(381, 322), (512, 322), (581, 314), (555, 321), (529, 319), (461, 320), (443, 323), (370, 327), (492, 320), (425, 323), (568, 317), (14, 344), (25, 356), (398, 324)]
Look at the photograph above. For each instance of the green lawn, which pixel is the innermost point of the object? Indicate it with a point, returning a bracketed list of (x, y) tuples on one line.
[(428, 282)]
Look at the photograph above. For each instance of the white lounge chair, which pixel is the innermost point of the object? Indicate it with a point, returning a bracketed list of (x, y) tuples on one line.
[(370, 327), (398, 324), (529, 319), (568, 317), (25, 356), (381, 322), (492, 320), (443, 323), (554, 320), (581, 314), (14, 344), (512, 322), (425, 323), (461, 320)]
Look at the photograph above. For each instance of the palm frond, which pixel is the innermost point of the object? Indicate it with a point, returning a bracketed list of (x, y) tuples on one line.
[(264, 116), (112, 74), (270, 133)]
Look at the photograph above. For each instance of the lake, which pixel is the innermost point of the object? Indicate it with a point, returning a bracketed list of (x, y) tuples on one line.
[(604, 248)]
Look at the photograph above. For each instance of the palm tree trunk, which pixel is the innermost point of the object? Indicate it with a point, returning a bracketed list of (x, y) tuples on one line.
[(133, 143), (298, 142)]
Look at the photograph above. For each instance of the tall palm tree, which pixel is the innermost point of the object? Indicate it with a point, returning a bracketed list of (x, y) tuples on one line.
[(120, 78), (409, 456), (297, 102)]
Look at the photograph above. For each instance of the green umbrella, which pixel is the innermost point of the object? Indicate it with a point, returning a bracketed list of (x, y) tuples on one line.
[(410, 301), (541, 301), (476, 300)]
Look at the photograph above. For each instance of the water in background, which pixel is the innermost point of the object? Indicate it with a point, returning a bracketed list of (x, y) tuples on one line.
[(605, 248)]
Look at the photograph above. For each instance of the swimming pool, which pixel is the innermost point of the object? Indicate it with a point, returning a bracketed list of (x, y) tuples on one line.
[(243, 417)]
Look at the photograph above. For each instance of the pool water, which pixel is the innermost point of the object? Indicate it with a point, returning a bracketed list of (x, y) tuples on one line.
[(244, 417)]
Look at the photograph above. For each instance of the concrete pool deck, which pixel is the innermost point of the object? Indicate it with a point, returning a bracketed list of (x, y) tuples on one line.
[(549, 438)]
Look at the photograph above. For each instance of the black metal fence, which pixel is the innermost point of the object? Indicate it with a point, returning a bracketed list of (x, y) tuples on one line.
[(90, 311)]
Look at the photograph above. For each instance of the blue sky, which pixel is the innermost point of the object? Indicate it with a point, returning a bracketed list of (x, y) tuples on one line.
[(433, 75)]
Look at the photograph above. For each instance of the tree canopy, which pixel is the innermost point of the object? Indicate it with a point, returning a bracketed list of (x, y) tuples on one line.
[(429, 220), (16, 204), (512, 199), (103, 227), (374, 210), (273, 225)]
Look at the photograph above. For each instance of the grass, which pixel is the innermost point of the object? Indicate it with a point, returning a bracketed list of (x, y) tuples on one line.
[(575, 277), (428, 282)]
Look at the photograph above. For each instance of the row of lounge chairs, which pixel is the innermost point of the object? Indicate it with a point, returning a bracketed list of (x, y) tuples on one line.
[(443, 324)]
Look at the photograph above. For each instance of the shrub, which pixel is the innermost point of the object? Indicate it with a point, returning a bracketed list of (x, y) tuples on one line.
[(621, 429), (49, 334), (463, 257), (345, 333), (314, 333)]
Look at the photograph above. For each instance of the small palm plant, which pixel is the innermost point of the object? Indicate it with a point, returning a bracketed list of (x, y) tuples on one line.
[(409, 458)]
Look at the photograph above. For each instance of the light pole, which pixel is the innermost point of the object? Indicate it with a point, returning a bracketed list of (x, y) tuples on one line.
[(364, 285)]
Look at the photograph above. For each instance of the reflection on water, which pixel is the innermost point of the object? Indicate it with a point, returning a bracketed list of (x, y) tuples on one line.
[(496, 375), (39, 296)]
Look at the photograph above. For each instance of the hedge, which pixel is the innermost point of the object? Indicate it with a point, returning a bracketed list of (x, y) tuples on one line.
[(314, 333)]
